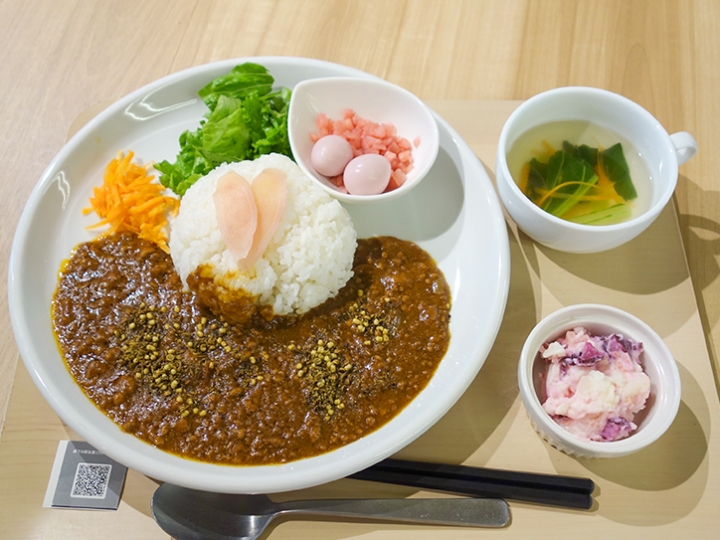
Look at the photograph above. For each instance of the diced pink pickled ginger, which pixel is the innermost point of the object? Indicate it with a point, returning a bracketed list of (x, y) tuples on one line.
[(368, 137)]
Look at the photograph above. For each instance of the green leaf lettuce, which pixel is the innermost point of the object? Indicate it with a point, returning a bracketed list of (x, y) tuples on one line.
[(245, 120)]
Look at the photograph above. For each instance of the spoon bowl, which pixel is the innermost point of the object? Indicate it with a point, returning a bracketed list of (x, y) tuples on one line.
[(188, 514)]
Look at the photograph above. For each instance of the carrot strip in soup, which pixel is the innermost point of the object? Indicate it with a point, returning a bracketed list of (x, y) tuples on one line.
[(524, 178)]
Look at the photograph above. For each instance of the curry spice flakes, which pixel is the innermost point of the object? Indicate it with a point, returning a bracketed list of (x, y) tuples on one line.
[(326, 373), (162, 369)]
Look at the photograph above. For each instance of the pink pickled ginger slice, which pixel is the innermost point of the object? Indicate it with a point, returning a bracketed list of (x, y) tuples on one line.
[(236, 212), (270, 192)]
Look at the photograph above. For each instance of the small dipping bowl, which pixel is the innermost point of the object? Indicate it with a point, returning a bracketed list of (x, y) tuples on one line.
[(658, 363), (662, 154), (374, 100)]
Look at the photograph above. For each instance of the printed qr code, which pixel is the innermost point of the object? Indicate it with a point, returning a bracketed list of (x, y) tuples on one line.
[(91, 481)]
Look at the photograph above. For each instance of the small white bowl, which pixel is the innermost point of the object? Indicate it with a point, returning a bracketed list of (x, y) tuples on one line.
[(658, 363), (661, 152), (372, 99)]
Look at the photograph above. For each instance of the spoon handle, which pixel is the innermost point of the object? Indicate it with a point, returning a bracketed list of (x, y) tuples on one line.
[(471, 512)]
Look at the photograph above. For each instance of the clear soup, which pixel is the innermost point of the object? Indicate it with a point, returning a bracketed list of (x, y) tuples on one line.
[(581, 172)]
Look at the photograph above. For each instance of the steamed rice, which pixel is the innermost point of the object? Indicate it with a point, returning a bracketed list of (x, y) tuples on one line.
[(308, 260)]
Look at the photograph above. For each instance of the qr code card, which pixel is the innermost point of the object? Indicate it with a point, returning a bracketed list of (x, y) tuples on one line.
[(83, 477)]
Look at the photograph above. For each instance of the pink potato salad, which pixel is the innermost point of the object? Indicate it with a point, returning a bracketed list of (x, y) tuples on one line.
[(595, 385)]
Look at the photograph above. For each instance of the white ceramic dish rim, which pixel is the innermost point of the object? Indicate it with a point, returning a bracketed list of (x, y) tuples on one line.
[(430, 140), (272, 478), (647, 217), (568, 317)]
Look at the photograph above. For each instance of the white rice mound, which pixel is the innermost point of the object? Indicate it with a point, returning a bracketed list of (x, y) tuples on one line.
[(308, 260)]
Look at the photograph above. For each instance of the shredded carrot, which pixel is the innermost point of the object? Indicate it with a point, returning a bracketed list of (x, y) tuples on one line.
[(549, 150), (129, 200), (605, 186), (581, 198), (551, 193), (525, 177)]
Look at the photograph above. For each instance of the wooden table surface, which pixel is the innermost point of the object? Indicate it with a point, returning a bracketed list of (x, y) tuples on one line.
[(64, 58)]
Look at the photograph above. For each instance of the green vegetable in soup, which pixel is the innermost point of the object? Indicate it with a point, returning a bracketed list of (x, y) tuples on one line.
[(617, 170), (580, 183), (246, 119)]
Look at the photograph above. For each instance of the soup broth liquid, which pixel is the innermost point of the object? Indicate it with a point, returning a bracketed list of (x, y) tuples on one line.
[(530, 145)]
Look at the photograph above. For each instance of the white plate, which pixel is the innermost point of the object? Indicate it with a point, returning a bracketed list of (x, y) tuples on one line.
[(454, 215)]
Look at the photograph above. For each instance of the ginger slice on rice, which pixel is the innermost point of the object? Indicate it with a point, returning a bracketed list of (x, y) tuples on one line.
[(236, 213), (270, 192), (249, 214)]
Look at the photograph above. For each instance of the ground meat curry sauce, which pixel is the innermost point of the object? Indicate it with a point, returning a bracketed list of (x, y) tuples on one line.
[(171, 373)]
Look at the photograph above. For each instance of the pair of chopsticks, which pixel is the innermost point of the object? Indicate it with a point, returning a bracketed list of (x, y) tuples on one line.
[(565, 491)]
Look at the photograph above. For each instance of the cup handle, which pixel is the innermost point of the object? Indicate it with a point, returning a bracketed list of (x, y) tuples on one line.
[(685, 146)]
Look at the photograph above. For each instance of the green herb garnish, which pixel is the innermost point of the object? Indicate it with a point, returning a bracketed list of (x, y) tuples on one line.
[(580, 183), (245, 120)]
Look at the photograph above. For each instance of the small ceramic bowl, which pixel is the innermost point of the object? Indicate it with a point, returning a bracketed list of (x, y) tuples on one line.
[(658, 363), (662, 154), (375, 100)]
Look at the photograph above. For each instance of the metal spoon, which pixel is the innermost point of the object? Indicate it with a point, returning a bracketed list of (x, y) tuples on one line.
[(187, 514)]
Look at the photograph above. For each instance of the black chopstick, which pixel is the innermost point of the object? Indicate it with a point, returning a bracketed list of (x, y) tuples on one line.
[(516, 478), (565, 491)]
